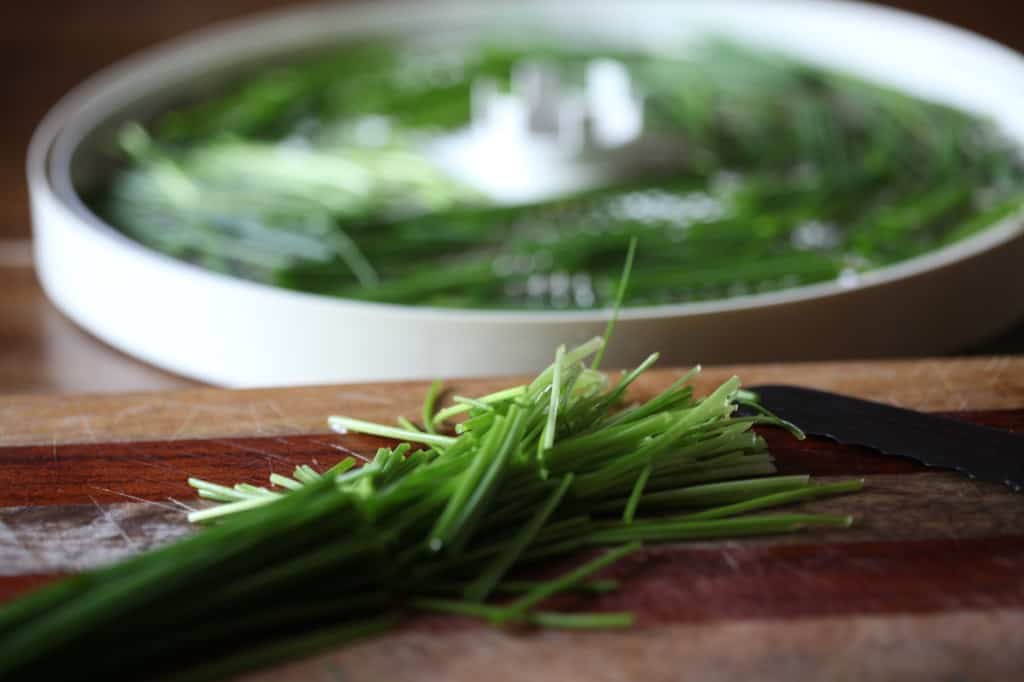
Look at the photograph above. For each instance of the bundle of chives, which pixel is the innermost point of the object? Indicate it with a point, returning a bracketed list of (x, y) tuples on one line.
[(438, 523)]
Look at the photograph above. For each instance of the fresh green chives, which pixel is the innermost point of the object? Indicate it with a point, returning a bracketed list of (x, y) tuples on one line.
[(546, 470), (429, 402), (634, 497), (494, 571)]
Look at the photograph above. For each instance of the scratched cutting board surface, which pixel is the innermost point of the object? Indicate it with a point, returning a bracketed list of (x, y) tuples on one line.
[(928, 585)]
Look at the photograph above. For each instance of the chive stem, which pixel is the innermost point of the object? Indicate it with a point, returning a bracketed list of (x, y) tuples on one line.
[(571, 579), (634, 496), (427, 413), (482, 587), (346, 424), (620, 296)]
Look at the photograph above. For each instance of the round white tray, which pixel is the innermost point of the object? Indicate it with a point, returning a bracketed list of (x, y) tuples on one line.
[(238, 333)]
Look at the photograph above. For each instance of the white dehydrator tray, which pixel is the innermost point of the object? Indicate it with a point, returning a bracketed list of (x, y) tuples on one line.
[(234, 332)]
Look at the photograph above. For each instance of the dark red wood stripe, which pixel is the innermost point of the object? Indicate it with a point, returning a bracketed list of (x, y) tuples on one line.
[(153, 470), (820, 457), (792, 581), (677, 584), (13, 585), (1011, 420), (687, 585)]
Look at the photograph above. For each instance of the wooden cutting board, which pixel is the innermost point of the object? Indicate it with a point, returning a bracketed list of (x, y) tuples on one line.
[(928, 585)]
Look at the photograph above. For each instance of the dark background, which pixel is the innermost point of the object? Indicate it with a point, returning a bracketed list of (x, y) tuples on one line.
[(47, 46)]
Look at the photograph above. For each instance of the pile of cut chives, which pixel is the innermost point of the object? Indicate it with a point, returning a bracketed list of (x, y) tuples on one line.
[(438, 523)]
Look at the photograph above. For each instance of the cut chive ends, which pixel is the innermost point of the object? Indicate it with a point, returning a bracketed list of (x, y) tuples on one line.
[(432, 523)]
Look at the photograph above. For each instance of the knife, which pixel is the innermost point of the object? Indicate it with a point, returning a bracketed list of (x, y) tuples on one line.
[(984, 453)]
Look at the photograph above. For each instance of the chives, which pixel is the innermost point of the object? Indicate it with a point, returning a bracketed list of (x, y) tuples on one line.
[(429, 401), (548, 469), (495, 571), (634, 497)]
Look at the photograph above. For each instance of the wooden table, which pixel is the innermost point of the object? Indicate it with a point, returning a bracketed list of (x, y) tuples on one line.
[(928, 584)]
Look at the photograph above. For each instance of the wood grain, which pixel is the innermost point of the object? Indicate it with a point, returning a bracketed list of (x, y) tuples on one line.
[(81, 473), (56, 539), (963, 646), (985, 383)]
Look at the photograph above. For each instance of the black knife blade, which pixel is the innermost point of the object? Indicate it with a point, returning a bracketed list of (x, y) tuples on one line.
[(981, 452)]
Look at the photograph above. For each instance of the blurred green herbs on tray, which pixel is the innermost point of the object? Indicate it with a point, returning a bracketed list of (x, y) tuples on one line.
[(514, 177)]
